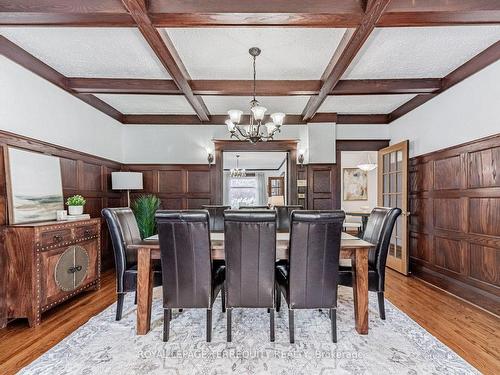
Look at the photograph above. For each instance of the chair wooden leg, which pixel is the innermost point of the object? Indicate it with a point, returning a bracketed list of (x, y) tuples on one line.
[(167, 314), (209, 325), (119, 305), (223, 295), (291, 326), (333, 319), (271, 322), (228, 328), (135, 298), (278, 299), (381, 307)]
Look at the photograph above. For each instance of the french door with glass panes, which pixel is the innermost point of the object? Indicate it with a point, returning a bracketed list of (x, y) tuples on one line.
[(393, 192)]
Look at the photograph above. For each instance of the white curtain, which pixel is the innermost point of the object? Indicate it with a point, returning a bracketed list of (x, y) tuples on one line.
[(261, 183)]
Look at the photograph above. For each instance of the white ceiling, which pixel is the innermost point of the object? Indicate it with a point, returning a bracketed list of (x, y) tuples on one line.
[(364, 104), (287, 53), (286, 104), (90, 52), (148, 104), (254, 160), (419, 52)]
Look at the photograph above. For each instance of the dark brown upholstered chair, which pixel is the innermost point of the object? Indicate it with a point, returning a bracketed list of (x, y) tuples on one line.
[(310, 279), (283, 216), (378, 231), (250, 251), (124, 231), (216, 213), (189, 277), (254, 207)]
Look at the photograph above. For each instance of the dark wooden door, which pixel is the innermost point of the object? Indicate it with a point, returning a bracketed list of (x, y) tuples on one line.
[(322, 187)]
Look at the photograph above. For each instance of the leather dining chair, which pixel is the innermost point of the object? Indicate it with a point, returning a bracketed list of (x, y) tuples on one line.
[(124, 231), (190, 278), (216, 214), (378, 231), (250, 251), (309, 280), (283, 216)]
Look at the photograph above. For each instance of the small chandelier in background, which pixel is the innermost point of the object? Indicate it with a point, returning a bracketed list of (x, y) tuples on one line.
[(367, 167), (256, 131), (237, 172)]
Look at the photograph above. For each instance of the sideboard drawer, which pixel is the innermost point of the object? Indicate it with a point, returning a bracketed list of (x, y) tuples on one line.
[(86, 231), (55, 237)]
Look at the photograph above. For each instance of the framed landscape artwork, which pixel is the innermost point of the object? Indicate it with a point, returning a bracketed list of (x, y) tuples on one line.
[(355, 184), (34, 186)]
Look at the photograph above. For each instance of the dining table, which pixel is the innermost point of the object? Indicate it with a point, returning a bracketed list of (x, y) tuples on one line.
[(364, 215), (351, 248)]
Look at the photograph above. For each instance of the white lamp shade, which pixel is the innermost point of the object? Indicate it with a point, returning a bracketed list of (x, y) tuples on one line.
[(276, 200), (126, 180), (235, 115), (259, 112), (278, 118), (270, 127)]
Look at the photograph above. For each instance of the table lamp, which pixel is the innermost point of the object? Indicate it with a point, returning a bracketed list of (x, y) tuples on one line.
[(126, 181), (276, 200)]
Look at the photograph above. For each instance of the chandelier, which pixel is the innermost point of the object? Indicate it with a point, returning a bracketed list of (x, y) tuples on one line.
[(237, 172), (367, 167), (257, 130)]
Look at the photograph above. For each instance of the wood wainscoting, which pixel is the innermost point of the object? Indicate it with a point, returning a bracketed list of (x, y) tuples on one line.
[(179, 186), (81, 173), (455, 220)]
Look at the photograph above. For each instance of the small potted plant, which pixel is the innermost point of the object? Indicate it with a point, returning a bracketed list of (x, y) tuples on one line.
[(75, 204)]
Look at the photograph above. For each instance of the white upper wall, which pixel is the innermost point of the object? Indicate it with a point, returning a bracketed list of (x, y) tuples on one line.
[(35, 108), (467, 111)]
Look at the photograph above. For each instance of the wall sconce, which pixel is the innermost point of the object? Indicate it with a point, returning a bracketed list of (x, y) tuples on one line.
[(301, 157), (210, 157)]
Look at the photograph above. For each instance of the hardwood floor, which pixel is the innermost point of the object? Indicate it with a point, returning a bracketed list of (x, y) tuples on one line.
[(471, 332)]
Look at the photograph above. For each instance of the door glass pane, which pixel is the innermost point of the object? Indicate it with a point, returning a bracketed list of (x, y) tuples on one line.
[(399, 227), (393, 200), (399, 158), (398, 200), (386, 183), (393, 182), (386, 200), (399, 182), (392, 167), (386, 163)]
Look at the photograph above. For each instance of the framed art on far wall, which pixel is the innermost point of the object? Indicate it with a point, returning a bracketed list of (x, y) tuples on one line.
[(355, 184), (34, 186)]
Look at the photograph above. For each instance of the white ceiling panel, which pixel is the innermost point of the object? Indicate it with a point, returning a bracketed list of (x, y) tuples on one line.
[(90, 52), (254, 160), (148, 104), (364, 104), (419, 52), (287, 104), (287, 53)]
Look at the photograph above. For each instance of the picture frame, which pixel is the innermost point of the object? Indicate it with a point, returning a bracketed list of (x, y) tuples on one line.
[(27, 201), (354, 184)]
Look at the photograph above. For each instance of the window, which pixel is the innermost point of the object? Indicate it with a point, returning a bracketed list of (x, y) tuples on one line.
[(243, 191)]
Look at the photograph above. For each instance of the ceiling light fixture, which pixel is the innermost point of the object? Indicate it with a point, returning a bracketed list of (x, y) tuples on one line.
[(237, 172), (256, 131), (367, 167)]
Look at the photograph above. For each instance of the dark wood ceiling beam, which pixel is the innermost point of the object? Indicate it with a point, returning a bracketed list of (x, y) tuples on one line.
[(474, 65), (245, 87), (252, 13), (164, 49), (219, 119), (343, 56), (18, 55)]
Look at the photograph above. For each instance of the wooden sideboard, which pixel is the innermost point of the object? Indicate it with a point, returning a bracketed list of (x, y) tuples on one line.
[(47, 263)]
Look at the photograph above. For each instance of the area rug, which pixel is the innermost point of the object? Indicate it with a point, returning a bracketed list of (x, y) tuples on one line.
[(397, 345)]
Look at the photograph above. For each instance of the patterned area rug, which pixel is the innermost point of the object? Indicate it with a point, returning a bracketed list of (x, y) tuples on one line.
[(395, 346)]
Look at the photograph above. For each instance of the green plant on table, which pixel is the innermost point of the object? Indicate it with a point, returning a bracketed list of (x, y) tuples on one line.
[(76, 200), (144, 208)]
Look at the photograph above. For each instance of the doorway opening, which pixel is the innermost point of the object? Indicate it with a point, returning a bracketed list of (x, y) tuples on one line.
[(255, 178)]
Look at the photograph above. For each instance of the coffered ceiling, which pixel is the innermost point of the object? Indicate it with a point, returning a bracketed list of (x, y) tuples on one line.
[(187, 62)]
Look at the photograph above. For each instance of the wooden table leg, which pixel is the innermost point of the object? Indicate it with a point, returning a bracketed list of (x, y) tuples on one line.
[(144, 290), (360, 290)]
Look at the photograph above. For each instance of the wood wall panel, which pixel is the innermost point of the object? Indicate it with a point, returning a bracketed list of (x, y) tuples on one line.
[(484, 216), (81, 173), (447, 173), (455, 220), (182, 186), (484, 168)]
